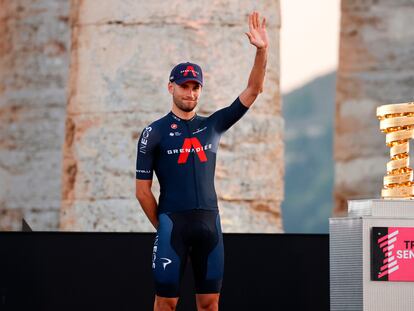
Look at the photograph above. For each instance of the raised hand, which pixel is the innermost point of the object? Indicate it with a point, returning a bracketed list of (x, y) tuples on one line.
[(257, 33)]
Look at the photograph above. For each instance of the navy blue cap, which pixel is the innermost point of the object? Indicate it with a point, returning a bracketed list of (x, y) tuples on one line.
[(184, 72)]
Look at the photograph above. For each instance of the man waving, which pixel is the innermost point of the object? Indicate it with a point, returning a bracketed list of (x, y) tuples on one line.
[(181, 149)]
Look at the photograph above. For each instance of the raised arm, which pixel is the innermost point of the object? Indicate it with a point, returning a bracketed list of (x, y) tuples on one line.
[(258, 37)]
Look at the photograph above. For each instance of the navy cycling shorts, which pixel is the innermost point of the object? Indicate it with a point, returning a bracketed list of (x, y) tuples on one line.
[(194, 234)]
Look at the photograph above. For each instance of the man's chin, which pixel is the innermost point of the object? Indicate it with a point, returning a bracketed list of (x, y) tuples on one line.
[(189, 108), (185, 106)]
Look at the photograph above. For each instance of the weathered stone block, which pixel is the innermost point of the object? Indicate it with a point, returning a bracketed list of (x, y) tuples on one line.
[(122, 54), (34, 44), (376, 67)]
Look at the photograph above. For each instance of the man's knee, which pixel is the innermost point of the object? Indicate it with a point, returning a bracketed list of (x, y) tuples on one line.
[(207, 302), (211, 306), (165, 304)]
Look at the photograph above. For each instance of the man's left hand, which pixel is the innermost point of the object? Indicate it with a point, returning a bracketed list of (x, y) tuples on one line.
[(257, 33)]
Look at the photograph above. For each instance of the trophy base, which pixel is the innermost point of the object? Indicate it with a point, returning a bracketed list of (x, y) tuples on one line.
[(351, 283)]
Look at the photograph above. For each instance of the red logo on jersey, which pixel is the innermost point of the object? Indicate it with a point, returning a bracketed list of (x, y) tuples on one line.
[(198, 148), (174, 126), (190, 69)]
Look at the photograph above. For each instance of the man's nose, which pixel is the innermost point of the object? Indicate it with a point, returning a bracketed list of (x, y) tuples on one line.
[(190, 93)]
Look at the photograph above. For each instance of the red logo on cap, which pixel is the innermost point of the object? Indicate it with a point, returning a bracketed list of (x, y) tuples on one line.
[(190, 69), (174, 126)]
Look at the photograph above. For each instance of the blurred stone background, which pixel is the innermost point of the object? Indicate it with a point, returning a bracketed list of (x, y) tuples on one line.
[(376, 67), (79, 81), (334, 149), (34, 66)]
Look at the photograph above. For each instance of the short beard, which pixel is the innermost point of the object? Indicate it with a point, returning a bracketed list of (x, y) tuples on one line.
[(182, 106)]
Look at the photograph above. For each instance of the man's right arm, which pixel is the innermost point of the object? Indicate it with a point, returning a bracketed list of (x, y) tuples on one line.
[(147, 200), (146, 152)]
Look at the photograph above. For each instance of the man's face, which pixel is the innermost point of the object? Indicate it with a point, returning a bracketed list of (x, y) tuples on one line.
[(185, 96)]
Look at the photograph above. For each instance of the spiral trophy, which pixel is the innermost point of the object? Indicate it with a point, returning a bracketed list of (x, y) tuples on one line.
[(376, 238), (397, 122)]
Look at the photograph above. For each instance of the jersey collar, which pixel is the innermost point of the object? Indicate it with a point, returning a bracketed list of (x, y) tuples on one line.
[(177, 118)]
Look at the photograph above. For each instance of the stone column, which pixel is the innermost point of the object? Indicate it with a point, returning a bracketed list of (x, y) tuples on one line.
[(122, 54), (376, 67), (34, 40)]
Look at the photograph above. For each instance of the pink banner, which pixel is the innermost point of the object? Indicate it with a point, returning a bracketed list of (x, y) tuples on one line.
[(394, 254)]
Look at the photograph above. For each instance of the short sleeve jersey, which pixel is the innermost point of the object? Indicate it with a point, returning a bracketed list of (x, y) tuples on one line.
[(182, 153)]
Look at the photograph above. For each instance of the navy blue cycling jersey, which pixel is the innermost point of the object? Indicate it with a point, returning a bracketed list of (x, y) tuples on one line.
[(183, 155)]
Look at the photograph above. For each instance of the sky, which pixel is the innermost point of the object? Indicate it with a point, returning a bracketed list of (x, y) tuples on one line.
[(309, 40)]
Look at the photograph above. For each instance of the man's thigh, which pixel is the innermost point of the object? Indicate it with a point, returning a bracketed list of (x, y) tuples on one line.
[(169, 258), (207, 256)]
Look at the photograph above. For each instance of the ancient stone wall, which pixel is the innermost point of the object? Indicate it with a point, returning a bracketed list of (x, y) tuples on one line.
[(34, 45), (122, 53), (376, 67)]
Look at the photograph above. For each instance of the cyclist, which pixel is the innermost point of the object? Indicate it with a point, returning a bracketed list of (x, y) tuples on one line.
[(181, 149)]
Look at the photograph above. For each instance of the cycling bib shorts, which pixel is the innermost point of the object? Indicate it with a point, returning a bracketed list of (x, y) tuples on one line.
[(195, 235)]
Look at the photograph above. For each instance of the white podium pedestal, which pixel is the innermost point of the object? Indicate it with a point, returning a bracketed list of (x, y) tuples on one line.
[(350, 240)]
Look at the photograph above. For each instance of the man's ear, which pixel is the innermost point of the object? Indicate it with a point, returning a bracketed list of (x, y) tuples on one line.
[(170, 88)]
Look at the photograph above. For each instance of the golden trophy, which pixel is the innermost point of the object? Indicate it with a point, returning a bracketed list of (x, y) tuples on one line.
[(397, 122), (369, 247)]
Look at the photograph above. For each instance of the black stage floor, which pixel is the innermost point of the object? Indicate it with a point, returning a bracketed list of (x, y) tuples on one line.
[(60, 271)]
